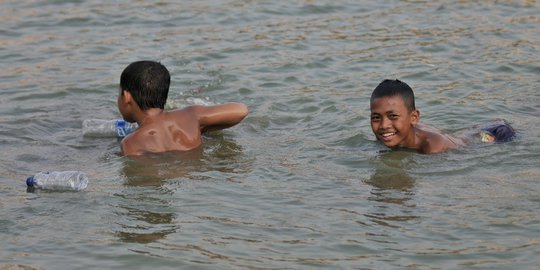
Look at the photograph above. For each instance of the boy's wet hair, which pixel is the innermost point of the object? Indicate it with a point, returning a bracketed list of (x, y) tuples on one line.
[(148, 82), (390, 88)]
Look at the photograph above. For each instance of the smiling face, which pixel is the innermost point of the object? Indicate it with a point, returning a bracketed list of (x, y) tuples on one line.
[(392, 123)]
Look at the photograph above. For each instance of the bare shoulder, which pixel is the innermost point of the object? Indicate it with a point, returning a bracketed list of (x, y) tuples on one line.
[(185, 119), (130, 145), (435, 141)]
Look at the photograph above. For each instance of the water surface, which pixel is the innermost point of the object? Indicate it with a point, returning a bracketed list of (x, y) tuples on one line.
[(300, 183)]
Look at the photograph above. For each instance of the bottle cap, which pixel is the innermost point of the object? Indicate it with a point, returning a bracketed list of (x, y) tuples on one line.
[(30, 181), (121, 128)]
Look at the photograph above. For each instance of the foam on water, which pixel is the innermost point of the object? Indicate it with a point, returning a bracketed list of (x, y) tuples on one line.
[(177, 103)]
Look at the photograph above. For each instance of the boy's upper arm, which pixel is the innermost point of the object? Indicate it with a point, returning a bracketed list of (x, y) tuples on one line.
[(219, 116), (129, 146), (125, 147)]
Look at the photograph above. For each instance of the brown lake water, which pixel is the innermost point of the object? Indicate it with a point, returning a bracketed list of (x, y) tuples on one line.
[(301, 183)]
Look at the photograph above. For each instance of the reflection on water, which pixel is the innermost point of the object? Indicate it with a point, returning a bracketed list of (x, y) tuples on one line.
[(152, 169), (390, 172), (146, 226), (146, 209), (393, 187), (146, 213)]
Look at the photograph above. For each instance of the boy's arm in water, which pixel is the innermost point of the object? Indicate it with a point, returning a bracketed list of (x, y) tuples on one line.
[(219, 116)]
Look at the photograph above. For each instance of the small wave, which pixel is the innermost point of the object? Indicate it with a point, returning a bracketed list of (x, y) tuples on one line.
[(190, 101)]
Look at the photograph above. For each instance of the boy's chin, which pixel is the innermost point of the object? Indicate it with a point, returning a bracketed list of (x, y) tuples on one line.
[(391, 144)]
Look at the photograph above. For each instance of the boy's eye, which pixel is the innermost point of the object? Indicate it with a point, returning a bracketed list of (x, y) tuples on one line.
[(375, 118), (393, 116)]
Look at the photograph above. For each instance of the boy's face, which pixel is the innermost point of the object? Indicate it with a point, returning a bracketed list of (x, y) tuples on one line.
[(392, 122)]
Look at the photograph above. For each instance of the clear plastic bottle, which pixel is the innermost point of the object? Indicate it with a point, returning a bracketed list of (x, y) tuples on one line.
[(65, 180), (107, 128)]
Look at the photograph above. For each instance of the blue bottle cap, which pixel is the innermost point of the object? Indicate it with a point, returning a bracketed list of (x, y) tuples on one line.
[(30, 181), (121, 128)]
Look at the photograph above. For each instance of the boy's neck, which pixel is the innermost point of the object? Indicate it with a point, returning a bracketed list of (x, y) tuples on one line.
[(147, 115)]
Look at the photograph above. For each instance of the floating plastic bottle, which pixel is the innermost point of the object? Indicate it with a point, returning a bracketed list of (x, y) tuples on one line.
[(107, 128), (64, 180)]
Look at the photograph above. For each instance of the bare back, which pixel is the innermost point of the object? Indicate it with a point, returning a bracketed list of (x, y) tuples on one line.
[(180, 130), (169, 131)]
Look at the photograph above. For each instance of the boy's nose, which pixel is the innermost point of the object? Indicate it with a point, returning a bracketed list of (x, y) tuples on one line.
[(385, 123)]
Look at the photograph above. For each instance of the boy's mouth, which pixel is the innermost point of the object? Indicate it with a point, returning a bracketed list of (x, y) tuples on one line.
[(387, 136)]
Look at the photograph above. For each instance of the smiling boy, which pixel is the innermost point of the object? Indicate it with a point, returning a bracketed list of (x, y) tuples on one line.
[(395, 121)]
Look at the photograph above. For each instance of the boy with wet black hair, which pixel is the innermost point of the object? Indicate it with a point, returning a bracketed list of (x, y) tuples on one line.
[(395, 121), (144, 87)]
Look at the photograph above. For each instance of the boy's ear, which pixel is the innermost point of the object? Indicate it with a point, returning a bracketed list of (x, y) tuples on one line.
[(126, 96), (415, 117)]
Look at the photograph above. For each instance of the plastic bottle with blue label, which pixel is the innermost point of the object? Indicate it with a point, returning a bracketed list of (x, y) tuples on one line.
[(107, 128), (62, 180)]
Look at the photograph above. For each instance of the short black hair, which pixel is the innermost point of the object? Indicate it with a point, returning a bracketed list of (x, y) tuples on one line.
[(148, 82), (390, 88)]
